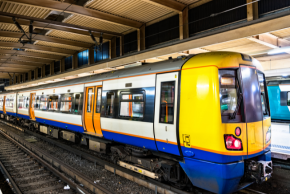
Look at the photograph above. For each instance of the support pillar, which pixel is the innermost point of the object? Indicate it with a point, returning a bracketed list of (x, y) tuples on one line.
[(183, 24), (51, 68), (141, 38), (62, 65), (91, 56), (113, 47), (75, 61), (252, 10)]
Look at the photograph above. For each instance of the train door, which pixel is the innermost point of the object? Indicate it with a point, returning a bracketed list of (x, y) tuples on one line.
[(93, 109), (253, 110), (166, 113), (31, 106), (4, 105)]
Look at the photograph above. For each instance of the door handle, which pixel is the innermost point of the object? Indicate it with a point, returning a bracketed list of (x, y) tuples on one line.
[(165, 128)]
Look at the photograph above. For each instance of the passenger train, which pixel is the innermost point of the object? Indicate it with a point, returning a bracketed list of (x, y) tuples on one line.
[(201, 120), (279, 96)]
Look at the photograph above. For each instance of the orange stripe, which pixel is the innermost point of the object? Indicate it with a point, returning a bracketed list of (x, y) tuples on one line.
[(59, 121), (128, 134), (200, 67)]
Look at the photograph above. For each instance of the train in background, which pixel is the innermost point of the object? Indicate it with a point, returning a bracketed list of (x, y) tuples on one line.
[(201, 120), (279, 97)]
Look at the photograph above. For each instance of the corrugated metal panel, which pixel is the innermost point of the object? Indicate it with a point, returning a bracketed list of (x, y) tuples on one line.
[(46, 52), (63, 46), (188, 2), (11, 27), (266, 6), (6, 48), (282, 33), (25, 61), (197, 23), (230, 44), (132, 9), (96, 23), (26, 10), (6, 39), (70, 36)]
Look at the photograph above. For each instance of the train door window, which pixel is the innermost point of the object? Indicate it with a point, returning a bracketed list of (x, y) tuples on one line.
[(263, 95), (66, 104), (53, 103), (20, 102), (99, 100), (77, 103), (132, 105), (37, 102), (43, 103), (90, 100), (167, 102), (26, 102), (110, 104), (9, 102)]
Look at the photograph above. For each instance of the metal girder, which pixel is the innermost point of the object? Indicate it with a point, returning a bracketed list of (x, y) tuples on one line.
[(31, 54), (26, 59), (8, 61), (26, 67), (48, 24), (75, 9), (36, 47), (47, 39), (169, 4)]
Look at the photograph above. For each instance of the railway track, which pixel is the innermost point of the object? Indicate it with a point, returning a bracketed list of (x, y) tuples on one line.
[(152, 184)]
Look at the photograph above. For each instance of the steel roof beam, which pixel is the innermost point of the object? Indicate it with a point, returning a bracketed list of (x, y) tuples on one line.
[(169, 4), (75, 9), (26, 59), (31, 54)]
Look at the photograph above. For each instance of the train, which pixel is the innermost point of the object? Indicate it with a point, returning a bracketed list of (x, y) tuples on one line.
[(279, 97), (198, 120)]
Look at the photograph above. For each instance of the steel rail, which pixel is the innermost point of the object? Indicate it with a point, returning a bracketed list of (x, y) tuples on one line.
[(56, 162), (15, 188), (109, 166)]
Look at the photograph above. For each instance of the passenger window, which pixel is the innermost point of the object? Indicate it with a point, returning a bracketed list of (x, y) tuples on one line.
[(53, 103), (77, 102), (9, 103), (132, 105), (43, 103), (99, 100), (110, 104), (90, 99), (37, 102), (167, 102), (20, 102), (66, 104)]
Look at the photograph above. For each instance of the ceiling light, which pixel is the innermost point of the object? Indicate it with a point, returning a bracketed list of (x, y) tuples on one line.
[(279, 50)]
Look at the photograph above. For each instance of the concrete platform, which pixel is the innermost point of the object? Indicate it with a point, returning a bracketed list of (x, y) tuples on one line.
[(280, 141)]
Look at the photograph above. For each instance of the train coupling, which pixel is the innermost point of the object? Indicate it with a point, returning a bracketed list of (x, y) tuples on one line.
[(260, 171)]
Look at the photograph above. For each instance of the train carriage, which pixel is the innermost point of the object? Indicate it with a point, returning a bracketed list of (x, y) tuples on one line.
[(200, 120)]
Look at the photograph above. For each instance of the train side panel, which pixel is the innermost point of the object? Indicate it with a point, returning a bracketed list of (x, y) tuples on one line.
[(23, 105), (10, 104)]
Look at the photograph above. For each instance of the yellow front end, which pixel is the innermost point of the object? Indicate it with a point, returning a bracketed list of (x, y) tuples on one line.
[(203, 131)]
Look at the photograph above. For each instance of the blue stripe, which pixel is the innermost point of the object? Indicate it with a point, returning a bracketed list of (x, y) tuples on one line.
[(1, 111), (214, 157), (11, 113), (23, 116), (168, 148), (61, 125), (126, 139)]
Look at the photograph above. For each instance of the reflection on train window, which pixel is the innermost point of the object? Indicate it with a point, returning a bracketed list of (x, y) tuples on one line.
[(90, 99), (53, 103), (37, 102), (1, 103), (167, 102), (132, 105), (99, 99), (66, 104), (9, 102), (263, 94), (228, 100), (43, 104), (110, 104), (23, 102), (77, 102)]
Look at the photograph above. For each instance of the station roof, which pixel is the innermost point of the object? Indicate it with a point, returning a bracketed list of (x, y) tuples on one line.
[(61, 28)]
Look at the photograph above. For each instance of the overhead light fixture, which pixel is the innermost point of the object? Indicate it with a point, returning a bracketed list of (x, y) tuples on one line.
[(279, 50)]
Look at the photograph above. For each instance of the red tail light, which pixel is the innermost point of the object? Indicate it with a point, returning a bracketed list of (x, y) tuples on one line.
[(233, 143)]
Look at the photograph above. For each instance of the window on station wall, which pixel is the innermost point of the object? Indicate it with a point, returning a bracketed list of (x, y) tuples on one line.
[(56, 67), (32, 75), (118, 47), (21, 78), (102, 54), (199, 17), (130, 42), (83, 58), (268, 6), (47, 70), (163, 31), (39, 72), (68, 63), (26, 76)]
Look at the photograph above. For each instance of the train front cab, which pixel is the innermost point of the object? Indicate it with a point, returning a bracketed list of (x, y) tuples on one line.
[(224, 123)]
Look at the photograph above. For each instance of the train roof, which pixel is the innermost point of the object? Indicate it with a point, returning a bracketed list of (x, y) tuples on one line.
[(163, 66)]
